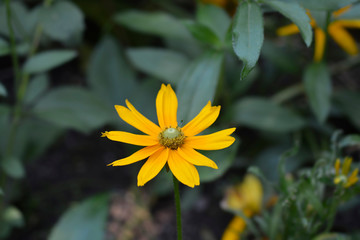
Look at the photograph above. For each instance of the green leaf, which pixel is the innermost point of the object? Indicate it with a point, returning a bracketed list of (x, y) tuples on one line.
[(109, 74), (4, 126), (248, 35), (325, 4), (214, 18), (223, 158), (48, 60), (155, 23), (62, 21), (350, 140), (1, 191), (13, 167), (262, 114), (11, 217), (332, 236), (164, 64), (21, 48), (203, 33), (318, 89), (73, 107), (348, 102), (37, 86), (3, 91), (353, 13), (198, 84), (297, 15), (84, 221)]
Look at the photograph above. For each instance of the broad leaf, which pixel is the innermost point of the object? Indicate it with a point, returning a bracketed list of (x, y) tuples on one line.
[(203, 33), (109, 74), (325, 4), (297, 15), (167, 65), (198, 84), (262, 114), (48, 60), (84, 221), (73, 107), (248, 35), (62, 21), (318, 89), (156, 23), (37, 86), (350, 140), (13, 167), (214, 18)]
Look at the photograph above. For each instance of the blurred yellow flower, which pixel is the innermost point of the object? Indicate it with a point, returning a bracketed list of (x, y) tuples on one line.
[(246, 197), (342, 177), (168, 143), (336, 29)]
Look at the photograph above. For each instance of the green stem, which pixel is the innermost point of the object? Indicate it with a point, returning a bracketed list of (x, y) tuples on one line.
[(288, 93), (178, 208), (14, 57)]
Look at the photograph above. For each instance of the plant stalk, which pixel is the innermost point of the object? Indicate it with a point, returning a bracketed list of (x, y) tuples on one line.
[(178, 208)]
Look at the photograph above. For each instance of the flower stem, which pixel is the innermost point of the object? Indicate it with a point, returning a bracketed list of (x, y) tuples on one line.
[(178, 208)]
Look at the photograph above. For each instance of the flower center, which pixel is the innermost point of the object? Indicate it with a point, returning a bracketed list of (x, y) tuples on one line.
[(172, 138)]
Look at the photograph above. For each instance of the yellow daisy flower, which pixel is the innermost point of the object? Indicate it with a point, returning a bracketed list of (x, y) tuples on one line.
[(342, 177), (246, 197), (169, 143), (336, 29)]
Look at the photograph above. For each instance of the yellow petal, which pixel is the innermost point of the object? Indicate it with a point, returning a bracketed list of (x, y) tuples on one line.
[(346, 165), (343, 38), (252, 191), (353, 178), (341, 11), (135, 119), (166, 107), (153, 166), (320, 41), (195, 157), (214, 141), (287, 30), (135, 139), (349, 23), (234, 229), (184, 171), (137, 156), (337, 167), (203, 120)]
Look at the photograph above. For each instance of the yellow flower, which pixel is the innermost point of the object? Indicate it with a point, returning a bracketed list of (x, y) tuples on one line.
[(342, 177), (169, 143), (336, 30), (246, 197)]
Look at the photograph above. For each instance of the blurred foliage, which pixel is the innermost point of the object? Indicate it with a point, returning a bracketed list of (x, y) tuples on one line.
[(226, 52)]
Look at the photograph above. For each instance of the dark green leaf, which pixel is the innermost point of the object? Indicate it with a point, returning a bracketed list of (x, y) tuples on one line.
[(325, 4), (321, 18), (1, 191), (332, 236), (349, 102), (13, 167), (318, 89), (203, 33), (353, 13), (248, 35), (214, 18), (3, 92), (265, 115), (156, 23), (62, 21), (198, 84), (109, 74), (84, 221), (167, 65), (350, 140), (297, 15), (37, 86), (73, 107), (4, 126), (223, 158), (48, 60)]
